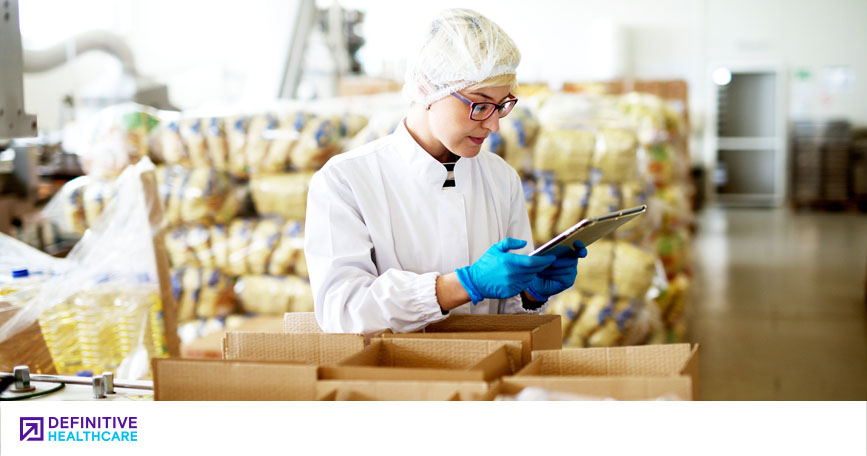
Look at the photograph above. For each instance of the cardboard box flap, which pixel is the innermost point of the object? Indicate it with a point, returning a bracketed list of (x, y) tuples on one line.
[(619, 388), (492, 323), (305, 348), (668, 359), (301, 322), (399, 390), (215, 380)]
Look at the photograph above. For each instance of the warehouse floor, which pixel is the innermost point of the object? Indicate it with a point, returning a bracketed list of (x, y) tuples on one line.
[(779, 305)]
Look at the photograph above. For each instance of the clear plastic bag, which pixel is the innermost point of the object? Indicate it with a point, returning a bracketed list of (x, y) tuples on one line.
[(100, 309)]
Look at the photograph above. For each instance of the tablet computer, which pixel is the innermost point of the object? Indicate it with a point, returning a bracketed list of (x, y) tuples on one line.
[(590, 230)]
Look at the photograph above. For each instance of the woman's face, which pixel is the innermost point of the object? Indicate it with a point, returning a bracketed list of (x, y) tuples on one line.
[(451, 125)]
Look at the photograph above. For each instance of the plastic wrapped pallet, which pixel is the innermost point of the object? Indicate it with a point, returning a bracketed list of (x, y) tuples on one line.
[(199, 195), (281, 194)]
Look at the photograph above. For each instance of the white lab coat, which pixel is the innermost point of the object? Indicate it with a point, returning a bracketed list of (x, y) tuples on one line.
[(380, 229)]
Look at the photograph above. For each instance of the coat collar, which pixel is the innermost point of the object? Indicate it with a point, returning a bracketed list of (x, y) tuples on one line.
[(421, 163)]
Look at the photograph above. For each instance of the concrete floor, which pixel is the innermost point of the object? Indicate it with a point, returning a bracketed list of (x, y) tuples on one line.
[(779, 305)]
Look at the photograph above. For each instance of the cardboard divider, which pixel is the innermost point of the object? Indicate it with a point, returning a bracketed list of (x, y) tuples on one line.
[(623, 373), (536, 332), (216, 380), (314, 349), (425, 359)]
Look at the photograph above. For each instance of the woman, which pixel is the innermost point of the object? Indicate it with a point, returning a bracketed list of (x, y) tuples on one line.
[(408, 228)]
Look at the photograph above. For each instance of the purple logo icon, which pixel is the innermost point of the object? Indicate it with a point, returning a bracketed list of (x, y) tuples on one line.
[(31, 429)]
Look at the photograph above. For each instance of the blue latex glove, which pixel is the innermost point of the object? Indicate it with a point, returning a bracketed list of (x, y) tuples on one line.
[(560, 275), (499, 274)]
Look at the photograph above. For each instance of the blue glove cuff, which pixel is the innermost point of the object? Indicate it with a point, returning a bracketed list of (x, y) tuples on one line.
[(464, 279), (536, 296)]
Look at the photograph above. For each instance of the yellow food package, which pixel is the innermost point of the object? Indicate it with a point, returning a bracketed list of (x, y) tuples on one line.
[(218, 146), (529, 187), (288, 250), (352, 124), (217, 296), (174, 187), (258, 141), (274, 295), (615, 159), (301, 266), (193, 134), (96, 195), (72, 194), (281, 194), (604, 198), (633, 193), (199, 241), (567, 153), (606, 336), (177, 249), (547, 208), (236, 139), (633, 270), (591, 317), (240, 234), (575, 200), (566, 304), (594, 271), (319, 141), (188, 287), (220, 246), (283, 139), (173, 149), (204, 192), (264, 240)]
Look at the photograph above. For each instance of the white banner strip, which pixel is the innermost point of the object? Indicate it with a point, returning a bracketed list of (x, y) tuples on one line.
[(555, 428)]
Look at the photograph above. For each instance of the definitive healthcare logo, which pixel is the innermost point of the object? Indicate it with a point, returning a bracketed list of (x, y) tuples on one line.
[(79, 429)]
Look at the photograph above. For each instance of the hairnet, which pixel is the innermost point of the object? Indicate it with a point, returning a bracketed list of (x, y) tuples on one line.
[(461, 48)]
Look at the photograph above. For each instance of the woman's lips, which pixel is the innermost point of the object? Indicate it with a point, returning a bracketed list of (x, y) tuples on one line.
[(476, 140)]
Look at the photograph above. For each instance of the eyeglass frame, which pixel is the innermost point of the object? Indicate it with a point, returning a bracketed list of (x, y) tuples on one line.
[(472, 104)]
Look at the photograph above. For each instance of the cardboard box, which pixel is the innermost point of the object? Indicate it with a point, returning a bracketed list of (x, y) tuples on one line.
[(301, 322), (312, 349), (536, 332), (623, 373), (305, 323), (210, 345), (425, 359), (27, 348), (215, 380), (386, 390)]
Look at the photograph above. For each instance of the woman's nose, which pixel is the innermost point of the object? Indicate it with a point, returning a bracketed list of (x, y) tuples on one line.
[(492, 123)]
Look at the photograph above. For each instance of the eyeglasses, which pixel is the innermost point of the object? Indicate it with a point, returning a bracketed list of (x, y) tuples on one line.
[(481, 110)]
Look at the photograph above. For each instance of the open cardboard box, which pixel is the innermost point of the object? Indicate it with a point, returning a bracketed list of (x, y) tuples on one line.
[(426, 360), (536, 332), (218, 380), (623, 373), (391, 390)]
